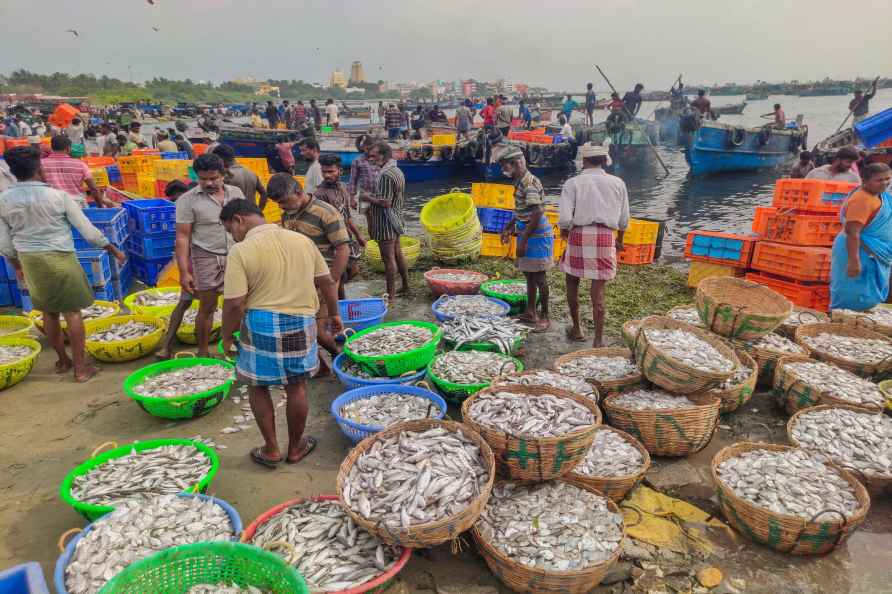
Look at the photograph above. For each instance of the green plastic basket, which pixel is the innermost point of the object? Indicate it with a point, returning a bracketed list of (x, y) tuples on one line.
[(181, 407), (456, 393), (488, 347), (517, 302), (177, 569), (396, 365), (92, 511)]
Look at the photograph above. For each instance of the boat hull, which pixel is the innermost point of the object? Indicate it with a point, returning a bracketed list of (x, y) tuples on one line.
[(711, 150), (422, 171), (493, 171)]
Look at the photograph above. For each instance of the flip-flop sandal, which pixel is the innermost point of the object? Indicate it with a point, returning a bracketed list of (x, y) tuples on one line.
[(311, 445), (542, 326), (571, 336), (258, 457)]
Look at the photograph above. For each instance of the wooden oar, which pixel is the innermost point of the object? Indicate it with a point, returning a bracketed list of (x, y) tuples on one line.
[(632, 121), (852, 109)]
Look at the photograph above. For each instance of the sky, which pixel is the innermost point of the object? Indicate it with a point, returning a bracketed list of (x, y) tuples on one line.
[(652, 41)]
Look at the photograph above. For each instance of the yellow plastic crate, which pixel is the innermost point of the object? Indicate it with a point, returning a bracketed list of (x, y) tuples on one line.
[(138, 164), (443, 139), (257, 165), (493, 195), (100, 176), (552, 214), (641, 232), (701, 270), (171, 169), (272, 212), (559, 247), (145, 186), (492, 246)]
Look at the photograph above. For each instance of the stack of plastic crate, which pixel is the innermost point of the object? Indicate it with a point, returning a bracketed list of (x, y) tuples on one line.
[(113, 223), (715, 253), (138, 174), (168, 170), (152, 237)]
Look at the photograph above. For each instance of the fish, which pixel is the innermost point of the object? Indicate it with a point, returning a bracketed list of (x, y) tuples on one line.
[(790, 482), (599, 368), (383, 410), (803, 317), (836, 382), (185, 381), (689, 349), (611, 455), (545, 377), (881, 316), (501, 332), (457, 277), (516, 288), (644, 399), (776, 343), (13, 353), (546, 415), (551, 526), (741, 373), (225, 588), (351, 367), (687, 314), (391, 340), (852, 439), (157, 298), (850, 348), (128, 330), (478, 306), (191, 316), (471, 367), (326, 546), (140, 474), (416, 477), (94, 312), (137, 529)]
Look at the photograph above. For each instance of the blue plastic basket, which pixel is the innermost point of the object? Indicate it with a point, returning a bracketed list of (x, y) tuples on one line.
[(147, 270), (362, 313), (152, 247), (875, 129), (96, 265), (494, 220), (151, 215), (26, 578), (181, 155), (65, 557), (351, 381), (114, 173), (442, 317), (356, 432), (112, 222)]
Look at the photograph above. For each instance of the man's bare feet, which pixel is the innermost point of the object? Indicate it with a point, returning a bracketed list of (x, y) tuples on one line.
[(84, 374), (63, 365)]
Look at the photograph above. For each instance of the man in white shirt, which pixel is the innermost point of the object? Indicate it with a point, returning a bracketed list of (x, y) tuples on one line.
[(331, 114), (75, 131), (840, 168), (309, 150), (593, 205)]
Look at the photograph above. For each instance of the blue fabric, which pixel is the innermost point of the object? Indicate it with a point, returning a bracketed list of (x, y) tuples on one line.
[(872, 285), (541, 243), (276, 349)]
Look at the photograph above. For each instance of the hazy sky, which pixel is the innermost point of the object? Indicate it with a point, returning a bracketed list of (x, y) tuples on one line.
[(524, 40)]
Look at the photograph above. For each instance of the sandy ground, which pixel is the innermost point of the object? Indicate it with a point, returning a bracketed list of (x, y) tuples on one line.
[(48, 425)]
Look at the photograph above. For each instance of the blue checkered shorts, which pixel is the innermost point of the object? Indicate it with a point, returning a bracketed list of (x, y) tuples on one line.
[(276, 349)]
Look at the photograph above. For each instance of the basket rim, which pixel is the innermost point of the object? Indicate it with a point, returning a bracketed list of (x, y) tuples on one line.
[(645, 466), (92, 326), (601, 351), (460, 217), (36, 348), (748, 347), (451, 387), (379, 381), (662, 322), (23, 323), (706, 287), (172, 365), (752, 377), (822, 394), (715, 402), (486, 288), (434, 341), (858, 319), (365, 300), (841, 330), (134, 308), (444, 317), (369, 391)]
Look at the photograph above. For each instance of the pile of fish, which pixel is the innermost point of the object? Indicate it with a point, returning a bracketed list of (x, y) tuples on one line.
[(862, 441), (687, 314), (94, 312), (741, 374), (516, 288), (328, 549), (691, 350), (189, 380), (545, 415), (471, 367), (544, 377), (598, 368), (457, 277), (13, 353), (881, 316), (551, 526), (383, 410), (224, 588), (610, 455), (192, 314), (391, 340), (475, 306), (837, 382), (851, 348), (803, 317), (789, 482), (416, 477), (135, 530), (156, 298), (140, 474), (502, 332), (644, 399), (127, 331), (775, 343)]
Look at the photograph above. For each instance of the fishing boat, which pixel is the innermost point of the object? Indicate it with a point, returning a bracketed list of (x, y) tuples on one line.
[(756, 96), (542, 159), (630, 142), (716, 147), (872, 135), (733, 109)]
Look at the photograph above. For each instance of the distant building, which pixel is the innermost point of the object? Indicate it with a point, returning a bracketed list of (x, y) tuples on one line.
[(359, 90), (337, 80), (357, 74), (468, 88), (521, 89)]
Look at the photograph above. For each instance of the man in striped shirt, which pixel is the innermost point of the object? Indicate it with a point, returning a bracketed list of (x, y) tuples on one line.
[(64, 172)]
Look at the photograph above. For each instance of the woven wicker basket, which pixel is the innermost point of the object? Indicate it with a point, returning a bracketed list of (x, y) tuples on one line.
[(605, 387), (739, 308), (614, 487), (868, 370), (786, 534), (670, 373), (431, 533), (669, 432), (795, 394), (535, 458), (805, 316), (505, 380), (630, 331), (765, 359), (859, 320), (737, 395), (534, 580)]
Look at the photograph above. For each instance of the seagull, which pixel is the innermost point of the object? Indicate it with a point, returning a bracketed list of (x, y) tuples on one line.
[(152, 2), (72, 31), (155, 28)]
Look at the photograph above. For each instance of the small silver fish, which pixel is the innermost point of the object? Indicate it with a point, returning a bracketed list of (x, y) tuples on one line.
[(471, 367), (125, 331), (477, 306), (157, 298), (12, 353), (391, 340), (189, 380), (383, 410), (611, 455), (689, 349), (644, 399), (546, 415)]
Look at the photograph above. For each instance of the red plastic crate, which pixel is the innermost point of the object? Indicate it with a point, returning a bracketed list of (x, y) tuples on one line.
[(716, 247), (807, 229), (797, 262), (810, 295), (760, 218), (637, 254), (811, 194)]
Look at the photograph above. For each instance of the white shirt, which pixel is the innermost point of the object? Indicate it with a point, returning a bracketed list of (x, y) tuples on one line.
[(332, 111), (313, 177), (75, 134), (24, 129), (825, 172), (594, 197), (567, 130)]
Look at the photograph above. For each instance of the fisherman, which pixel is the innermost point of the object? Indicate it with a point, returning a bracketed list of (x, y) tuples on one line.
[(165, 144), (566, 128), (404, 121), (860, 105), (504, 116), (316, 114), (464, 117), (392, 120), (35, 237), (677, 99), (593, 205), (385, 217), (63, 172), (134, 135), (488, 113), (568, 107), (437, 115), (590, 103), (272, 115), (331, 114), (333, 191), (75, 131), (805, 164), (285, 151), (241, 177), (418, 123), (840, 167), (535, 242), (616, 104), (702, 104), (309, 150), (255, 120), (363, 177), (126, 146), (23, 126), (202, 243), (632, 100), (273, 281), (778, 115), (108, 141), (525, 114), (299, 116)]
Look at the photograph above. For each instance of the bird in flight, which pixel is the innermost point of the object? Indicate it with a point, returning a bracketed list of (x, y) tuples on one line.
[(155, 28), (152, 2), (72, 31)]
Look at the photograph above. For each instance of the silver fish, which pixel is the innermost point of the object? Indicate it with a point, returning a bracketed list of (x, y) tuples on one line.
[(545, 377), (125, 331), (879, 314), (644, 399), (776, 343), (94, 312), (535, 416), (225, 588), (12, 353), (471, 367), (597, 368), (689, 349), (391, 340), (741, 374), (351, 367), (862, 441), (478, 306), (851, 348), (192, 314), (611, 455), (156, 298), (518, 287), (457, 277), (502, 332), (383, 410), (687, 314), (189, 380), (837, 382)]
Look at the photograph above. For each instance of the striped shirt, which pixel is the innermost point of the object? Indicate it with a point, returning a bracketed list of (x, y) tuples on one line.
[(363, 176), (387, 223), (392, 118), (528, 194), (321, 222), (65, 173)]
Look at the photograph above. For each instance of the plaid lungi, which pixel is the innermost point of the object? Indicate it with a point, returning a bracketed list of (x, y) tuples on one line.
[(276, 349), (590, 253)]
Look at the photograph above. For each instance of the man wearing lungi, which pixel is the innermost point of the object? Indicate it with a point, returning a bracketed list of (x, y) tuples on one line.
[(272, 279), (535, 241), (593, 205)]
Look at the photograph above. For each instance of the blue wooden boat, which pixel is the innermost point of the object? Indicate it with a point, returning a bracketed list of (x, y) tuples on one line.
[(630, 143), (716, 147), (493, 171)]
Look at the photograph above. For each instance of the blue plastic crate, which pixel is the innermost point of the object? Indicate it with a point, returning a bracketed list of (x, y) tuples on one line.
[(114, 173), (494, 220), (181, 155), (876, 128), (26, 578), (718, 247), (152, 247), (111, 221), (97, 266), (6, 291), (147, 270), (146, 214), (9, 271)]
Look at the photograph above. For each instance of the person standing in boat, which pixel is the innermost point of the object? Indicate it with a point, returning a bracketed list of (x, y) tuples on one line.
[(464, 117), (632, 100), (569, 106), (525, 115), (504, 115), (317, 115), (590, 103), (840, 168), (780, 118), (860, 105), (702, 104)]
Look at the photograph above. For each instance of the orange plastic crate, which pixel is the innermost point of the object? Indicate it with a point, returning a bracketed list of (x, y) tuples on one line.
[(130, 181), (810, 295), (760, 218), (802, 228), (637, 254), (811, 194), (797, 262)]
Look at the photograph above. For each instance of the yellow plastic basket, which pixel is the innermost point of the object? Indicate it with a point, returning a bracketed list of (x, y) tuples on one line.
[(447, 212), (145, 186), (37, 316), (156, 311), (100, 176), (641, 232), (123, 350), (411, 251), (15, 326), (13, 373), (186, 332)]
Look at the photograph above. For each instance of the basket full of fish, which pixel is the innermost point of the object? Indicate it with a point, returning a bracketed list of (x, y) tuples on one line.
[(17, 358), (735, 391), (801, 316), (801, 383), (96, 311), (135, 530), (613, 465), (186, 332), (15, 326), (666, 424), (450, 307), (863, 352), (458, 374), (546, 377), (740, 309), (687, 314), (117, 339), (419, 483), (454, 281), (334, 554), (352, 375), (393, 348), (681, 358), (500, 335), (767, 351), (549, 537), (878, 319), (362, 412), (159, 302), (788, 499), (138, 471), (511, 291), (610, 369), (182, 388)]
